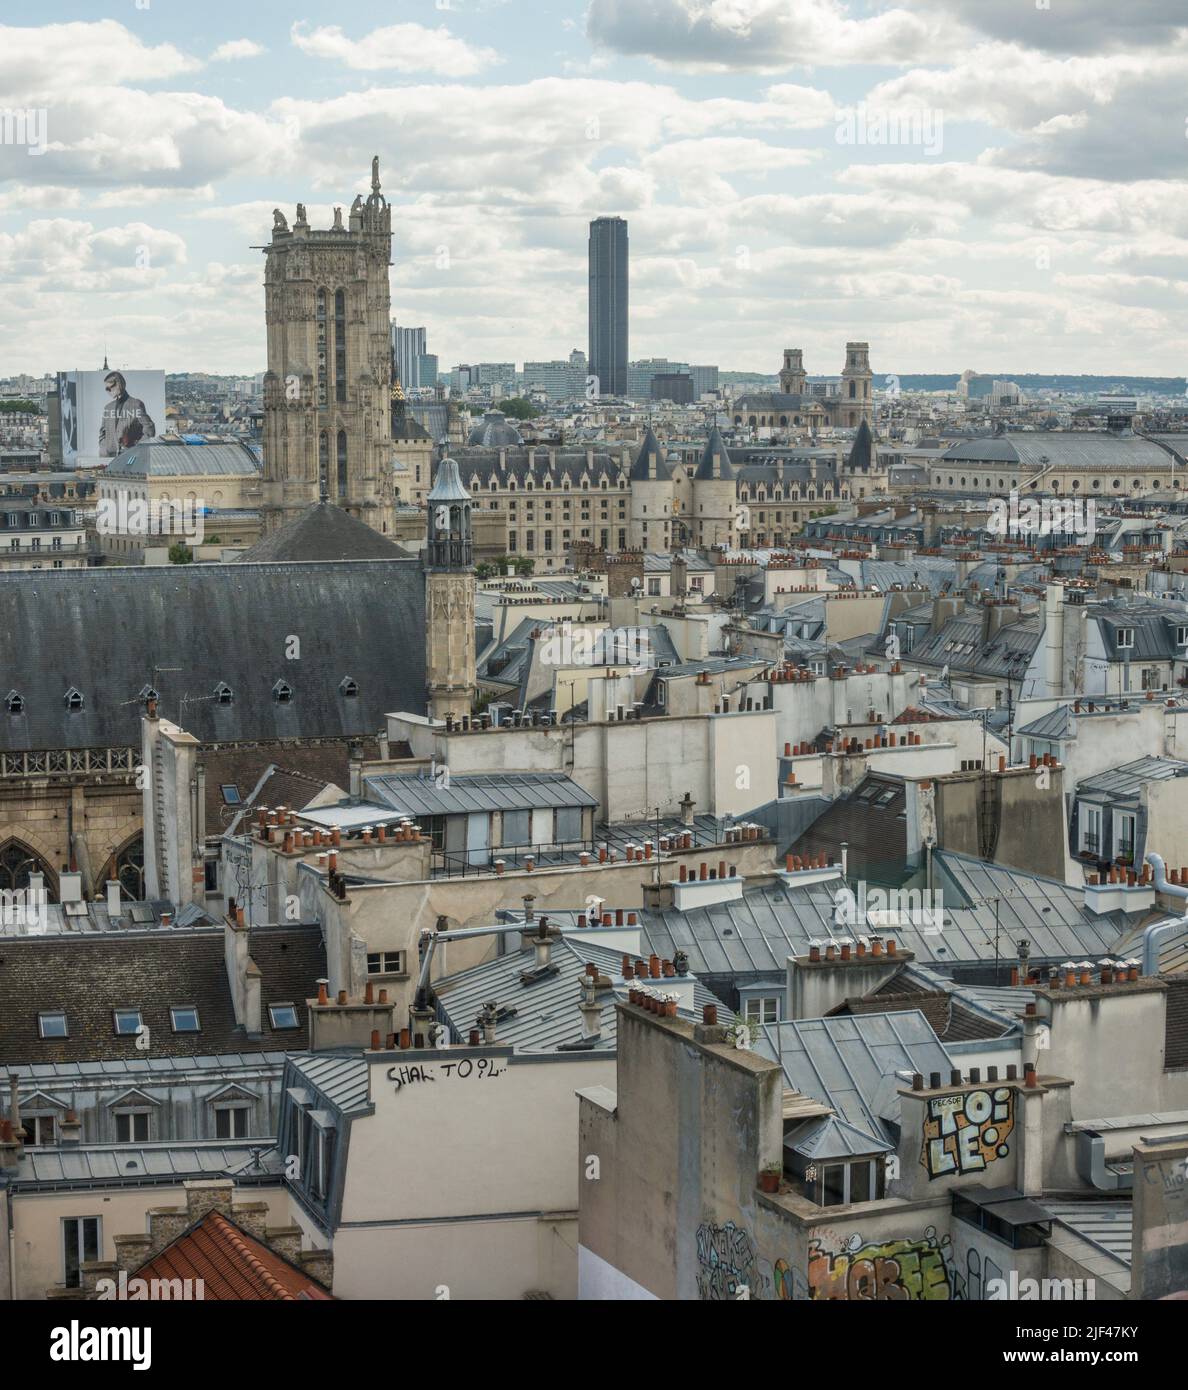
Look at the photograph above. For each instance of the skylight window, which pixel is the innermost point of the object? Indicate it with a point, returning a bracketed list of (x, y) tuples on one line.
[(127, 1022), (52, 1024), (231, 796), (184, 1018), (282, 1016)]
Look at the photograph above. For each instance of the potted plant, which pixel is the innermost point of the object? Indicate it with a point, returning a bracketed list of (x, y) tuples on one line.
[(769, 1178)]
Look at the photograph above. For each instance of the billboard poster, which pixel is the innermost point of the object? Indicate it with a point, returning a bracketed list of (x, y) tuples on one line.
[(105, 412)]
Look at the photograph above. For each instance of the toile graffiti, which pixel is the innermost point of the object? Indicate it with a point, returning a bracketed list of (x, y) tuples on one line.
[(726, 1260), (965, 1133), (877, 1271)]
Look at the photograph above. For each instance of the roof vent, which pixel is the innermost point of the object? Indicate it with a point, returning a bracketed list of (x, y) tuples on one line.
[(74, 699), (348, 687), (15, 702), (282, 691), (223, 693)]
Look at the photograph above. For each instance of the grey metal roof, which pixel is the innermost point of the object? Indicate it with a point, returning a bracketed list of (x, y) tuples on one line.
[(142, 1067), (485, 791), (758, 932), (1126, 782), (447, 484), (341, 1078), (855, 1064), (828, 1137), (1056, 724), (109, 632), (128, 1163), (1107, 1225), (164, 458), (656, 562), (650, 464), (547, 1013)]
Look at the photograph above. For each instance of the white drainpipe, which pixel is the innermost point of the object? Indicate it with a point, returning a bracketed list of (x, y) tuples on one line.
[(1153, 934)]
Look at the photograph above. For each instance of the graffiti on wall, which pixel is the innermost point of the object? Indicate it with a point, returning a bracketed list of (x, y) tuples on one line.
[(965, 1133), (727, 1267), (875, 1271)]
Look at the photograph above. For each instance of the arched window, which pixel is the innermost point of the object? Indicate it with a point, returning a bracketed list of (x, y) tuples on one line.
[(128, 868), (340, 352), (17, 862), (342, 464), (323, 464)]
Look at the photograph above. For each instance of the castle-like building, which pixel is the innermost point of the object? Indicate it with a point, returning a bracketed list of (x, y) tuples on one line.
[(327, 411)]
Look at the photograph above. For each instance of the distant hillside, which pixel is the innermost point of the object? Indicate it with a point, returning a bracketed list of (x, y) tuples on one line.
[(1031, 381)]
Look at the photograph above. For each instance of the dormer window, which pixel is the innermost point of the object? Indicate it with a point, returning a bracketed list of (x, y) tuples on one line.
[(1125, 637), (15, 702), (148, 693), (223, 693), (74, 699), (348, 688), (282, 692)]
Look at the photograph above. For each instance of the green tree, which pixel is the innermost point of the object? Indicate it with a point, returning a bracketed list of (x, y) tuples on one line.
[(180, 554), (517, 408)]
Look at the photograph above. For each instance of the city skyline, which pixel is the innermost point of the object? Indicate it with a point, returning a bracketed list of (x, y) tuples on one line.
[(793, 174)]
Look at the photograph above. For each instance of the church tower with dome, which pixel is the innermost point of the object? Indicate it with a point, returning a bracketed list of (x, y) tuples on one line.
[(327, 414)]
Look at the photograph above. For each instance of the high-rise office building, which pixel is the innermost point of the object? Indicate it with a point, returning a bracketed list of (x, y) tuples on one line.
[(608, 305), (408, 345), (427, 369)]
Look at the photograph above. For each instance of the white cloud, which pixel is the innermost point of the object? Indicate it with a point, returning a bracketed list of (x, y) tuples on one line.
[(396, 48), (235, 49)]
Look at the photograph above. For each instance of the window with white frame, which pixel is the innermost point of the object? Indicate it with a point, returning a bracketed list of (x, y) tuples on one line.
[(132, 1126), (1125, 637), (383, 963), (283, 1016), (761, 1009), (40, 1130), (52, 1024), (231, 1119)]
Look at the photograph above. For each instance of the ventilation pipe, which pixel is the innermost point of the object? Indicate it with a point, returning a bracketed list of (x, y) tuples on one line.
[(1155, 933)]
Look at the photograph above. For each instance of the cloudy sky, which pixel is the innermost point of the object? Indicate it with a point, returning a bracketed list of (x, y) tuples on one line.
[(996, 184)]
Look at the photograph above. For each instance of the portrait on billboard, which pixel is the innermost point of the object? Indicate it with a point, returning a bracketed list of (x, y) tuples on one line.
[(68, 401), (125, 420)]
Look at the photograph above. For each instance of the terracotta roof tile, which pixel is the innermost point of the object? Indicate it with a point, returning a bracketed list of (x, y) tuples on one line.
[(233, 1266)]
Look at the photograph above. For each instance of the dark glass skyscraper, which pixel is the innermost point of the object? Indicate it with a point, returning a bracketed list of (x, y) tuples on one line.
[(608, 305)]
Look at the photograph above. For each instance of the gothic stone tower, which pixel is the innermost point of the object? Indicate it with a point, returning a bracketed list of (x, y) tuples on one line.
[(857, 402), (449, 596), (327, 427)]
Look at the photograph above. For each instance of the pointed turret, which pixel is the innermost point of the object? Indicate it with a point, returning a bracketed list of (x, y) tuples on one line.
[(650, 465), (715, 461), (862, 452)]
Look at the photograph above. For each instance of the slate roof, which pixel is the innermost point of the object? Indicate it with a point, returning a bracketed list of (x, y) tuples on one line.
[(650, 464), (960, 645), (496, 431), (323, 532), (89, 977), (863, 454), (855, 1065), (1176, 1032), (109, 632), (715, 459), (871, 822), (232, 1265), (165, 458)]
